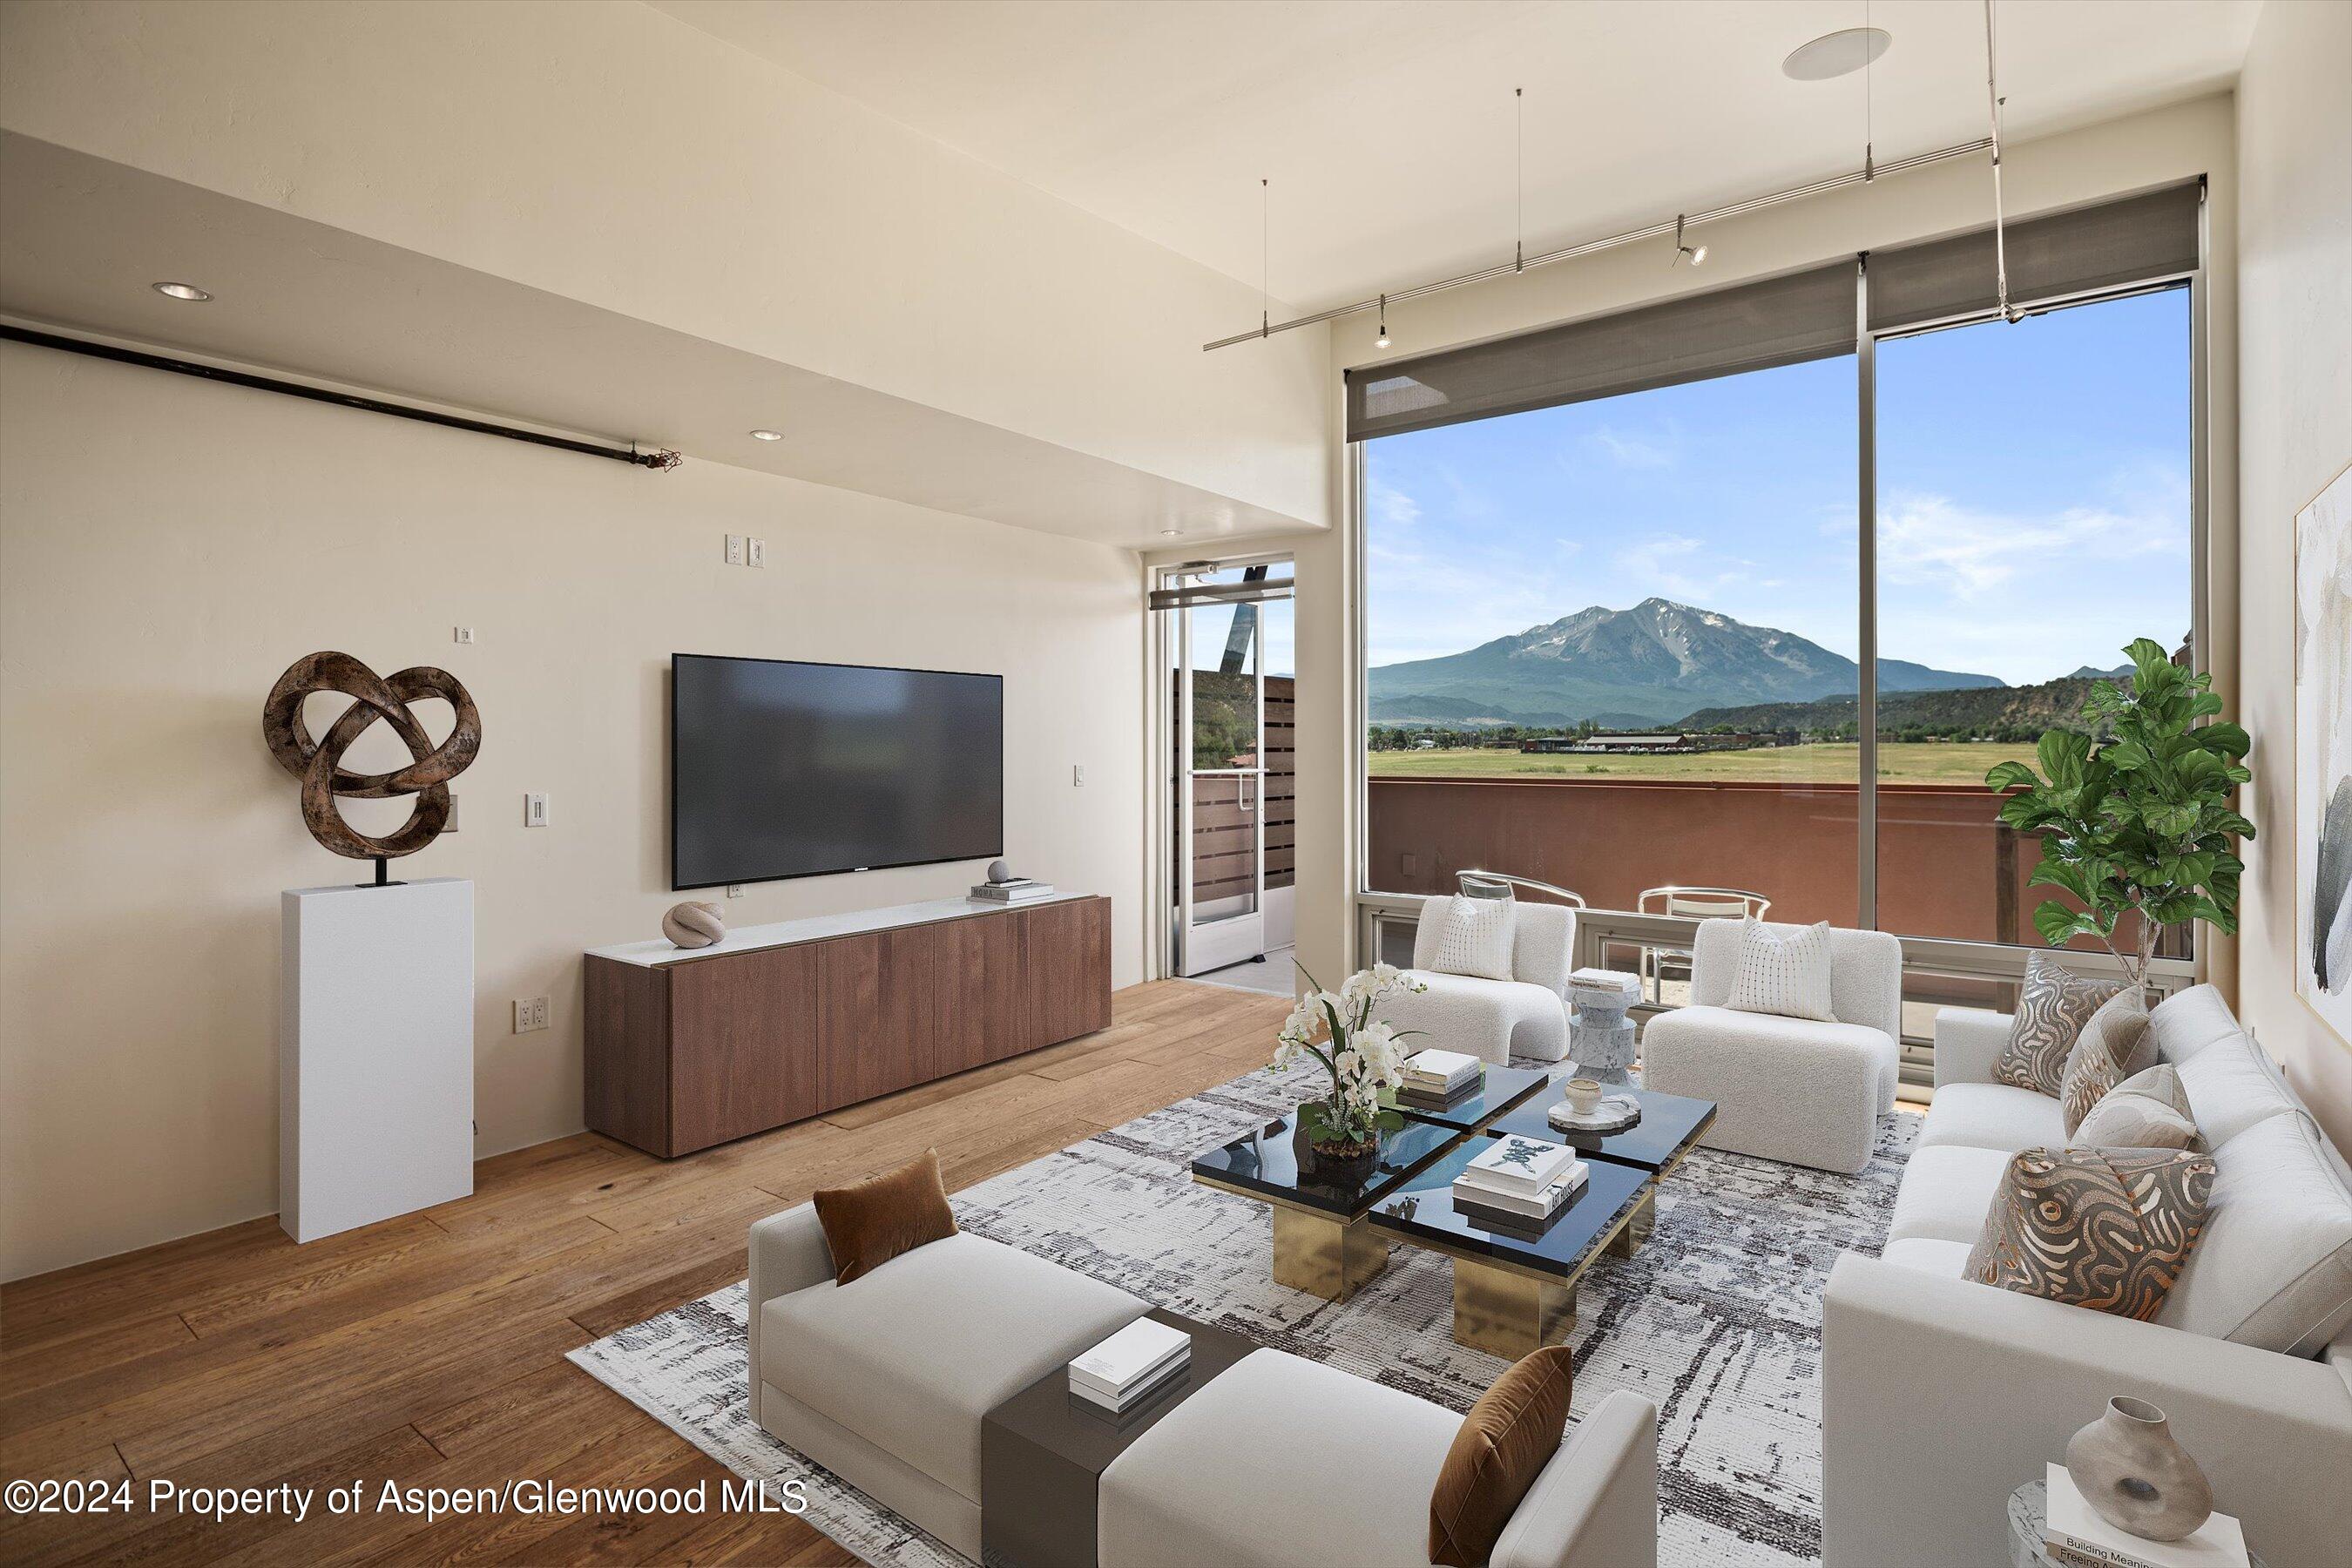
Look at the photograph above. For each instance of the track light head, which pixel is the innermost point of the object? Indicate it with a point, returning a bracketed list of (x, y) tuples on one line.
[(1696, 253), (1382, 342)]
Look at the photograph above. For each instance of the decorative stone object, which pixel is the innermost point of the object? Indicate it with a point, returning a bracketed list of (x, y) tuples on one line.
[(1600, 1037), (694, 923), (319, 762), (2136, 1476), (998, 871)]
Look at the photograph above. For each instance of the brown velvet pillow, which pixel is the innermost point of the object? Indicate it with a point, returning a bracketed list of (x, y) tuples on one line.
[(1507, 1438), (870, 1224)]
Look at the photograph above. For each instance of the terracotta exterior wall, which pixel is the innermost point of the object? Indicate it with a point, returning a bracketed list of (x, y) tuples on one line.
[(1946, 868)]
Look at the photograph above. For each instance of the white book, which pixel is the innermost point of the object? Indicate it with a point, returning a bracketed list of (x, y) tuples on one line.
[(1481, 1182), (1129, 1354), (1176, 1355), (2070, 1522), (1006, 893), (1541, 1207), (1517, 1164), (1442, 1066), (1116, 1404)]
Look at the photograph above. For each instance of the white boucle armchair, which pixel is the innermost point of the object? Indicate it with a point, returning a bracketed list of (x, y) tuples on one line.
[(1525, 1015), (1806, 1091)]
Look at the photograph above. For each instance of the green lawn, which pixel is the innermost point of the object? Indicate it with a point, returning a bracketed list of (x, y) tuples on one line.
[(1930, 761)]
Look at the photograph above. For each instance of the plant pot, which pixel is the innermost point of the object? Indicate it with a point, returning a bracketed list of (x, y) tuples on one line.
[(1320, 1125), (2135, 1476)]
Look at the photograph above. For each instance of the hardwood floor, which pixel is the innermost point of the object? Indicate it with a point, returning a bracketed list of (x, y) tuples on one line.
[(429, 1349)]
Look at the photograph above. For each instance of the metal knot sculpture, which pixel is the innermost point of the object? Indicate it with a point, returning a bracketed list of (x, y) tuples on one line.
[(319, 764)]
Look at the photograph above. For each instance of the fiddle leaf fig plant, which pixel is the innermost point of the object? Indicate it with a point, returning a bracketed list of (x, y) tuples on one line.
[(2137, 820)]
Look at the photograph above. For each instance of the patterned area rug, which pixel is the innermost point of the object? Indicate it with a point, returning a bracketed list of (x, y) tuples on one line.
[(1717, 1319)]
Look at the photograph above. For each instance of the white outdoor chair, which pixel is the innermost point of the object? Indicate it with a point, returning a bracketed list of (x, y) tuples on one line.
[(1525, 1015), (1690, 904)]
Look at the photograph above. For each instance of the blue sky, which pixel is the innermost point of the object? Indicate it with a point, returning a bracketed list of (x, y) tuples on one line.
[(2033, 501)]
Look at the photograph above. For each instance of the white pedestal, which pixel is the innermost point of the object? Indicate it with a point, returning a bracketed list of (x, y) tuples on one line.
[(376, 1053)]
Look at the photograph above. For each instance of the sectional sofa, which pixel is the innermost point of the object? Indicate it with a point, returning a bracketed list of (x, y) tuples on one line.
[(1940, 1395), (1277, 1461)]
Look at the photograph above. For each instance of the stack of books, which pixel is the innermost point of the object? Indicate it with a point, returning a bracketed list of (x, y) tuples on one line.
[(1435, 1079), (1525, 1179), (2076, 1537), (1017, 889), (1131, 1366)]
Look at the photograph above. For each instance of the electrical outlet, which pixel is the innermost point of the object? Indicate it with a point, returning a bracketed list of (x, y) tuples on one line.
[(758, 551), (734, 549), (1077, 775), (534, 811), (734, 890), (461, 634), (539, 1011), (529, 1014), (451, 824)]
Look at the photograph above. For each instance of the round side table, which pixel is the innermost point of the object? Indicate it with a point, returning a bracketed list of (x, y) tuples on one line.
[(2025, 1515)]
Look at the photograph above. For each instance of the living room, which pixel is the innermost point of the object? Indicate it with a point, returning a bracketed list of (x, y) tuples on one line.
[(1131, 782)]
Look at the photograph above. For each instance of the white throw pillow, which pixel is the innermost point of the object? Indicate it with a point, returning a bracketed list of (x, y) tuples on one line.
[(2273, 1265), (1783, 970), (1475, 938)]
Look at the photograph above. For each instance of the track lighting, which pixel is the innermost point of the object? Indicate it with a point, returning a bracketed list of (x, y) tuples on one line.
[(1697, 253), (1382, 341)]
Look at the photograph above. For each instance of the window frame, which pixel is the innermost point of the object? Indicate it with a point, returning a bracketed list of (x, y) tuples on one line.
[(1990, 959)]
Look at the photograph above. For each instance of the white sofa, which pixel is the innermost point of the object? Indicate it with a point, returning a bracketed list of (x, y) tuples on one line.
[(1940, 1394), (1525, 1015), (1277, 1461), (1801, 1090)]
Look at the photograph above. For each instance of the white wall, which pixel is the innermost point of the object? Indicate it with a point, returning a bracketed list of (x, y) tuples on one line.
[(2135, 154), (168, 546), (2294, 320), (610, 154)]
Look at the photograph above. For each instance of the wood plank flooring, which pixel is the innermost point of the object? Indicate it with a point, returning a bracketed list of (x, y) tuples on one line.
[(429, 1349)]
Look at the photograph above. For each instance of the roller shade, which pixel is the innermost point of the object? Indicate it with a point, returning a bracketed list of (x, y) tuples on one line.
[(1780, 320), (2110, 246)]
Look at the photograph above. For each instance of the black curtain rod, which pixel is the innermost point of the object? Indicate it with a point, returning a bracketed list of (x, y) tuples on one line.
[(653, 460)]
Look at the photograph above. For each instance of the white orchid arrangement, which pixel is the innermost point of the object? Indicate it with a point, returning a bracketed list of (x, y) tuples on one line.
[(1363, 1055)]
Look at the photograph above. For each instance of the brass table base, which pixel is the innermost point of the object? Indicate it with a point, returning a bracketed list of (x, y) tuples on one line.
[(1507, 1313), (1637, 1228), (1324, 1257)]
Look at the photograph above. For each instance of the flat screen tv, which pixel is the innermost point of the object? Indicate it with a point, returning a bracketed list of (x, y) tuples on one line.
[(779, 769)]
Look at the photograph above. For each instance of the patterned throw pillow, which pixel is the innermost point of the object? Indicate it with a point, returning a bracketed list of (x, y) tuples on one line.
[(2148, 1109), (2103, 1229), (2112, 1047), (2052, 1008), (1783, 970), (1475, 938)]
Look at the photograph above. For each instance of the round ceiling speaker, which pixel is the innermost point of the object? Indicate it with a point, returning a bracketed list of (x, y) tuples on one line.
[(1836, 54)]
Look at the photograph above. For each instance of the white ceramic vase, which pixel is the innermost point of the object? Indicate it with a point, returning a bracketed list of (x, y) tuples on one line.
[(2136, 1476)]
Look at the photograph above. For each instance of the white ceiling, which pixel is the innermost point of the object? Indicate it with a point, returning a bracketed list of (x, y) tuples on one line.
[(86, 236), (1386, 126)]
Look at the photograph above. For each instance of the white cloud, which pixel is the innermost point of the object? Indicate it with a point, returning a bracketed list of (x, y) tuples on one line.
[(1930, 540), (1390, 507), (1630, 451)]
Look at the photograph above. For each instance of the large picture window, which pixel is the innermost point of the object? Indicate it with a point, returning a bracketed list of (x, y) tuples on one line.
[(1615, 604)]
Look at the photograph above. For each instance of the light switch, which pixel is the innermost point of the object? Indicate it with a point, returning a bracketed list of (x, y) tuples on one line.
[(734, 890), (534, 811), (461, 634), (1077, 775), (759, 552)]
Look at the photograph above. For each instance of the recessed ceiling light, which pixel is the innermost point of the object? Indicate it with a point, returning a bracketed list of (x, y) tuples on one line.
[(183, 291), (1836, 54), (1171, 533), (767, 435)]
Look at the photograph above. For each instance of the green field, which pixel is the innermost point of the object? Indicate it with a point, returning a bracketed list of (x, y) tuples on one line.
[(1927, 762)]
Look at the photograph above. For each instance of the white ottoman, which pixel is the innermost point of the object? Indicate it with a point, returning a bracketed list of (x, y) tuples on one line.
[(1793, 1089)]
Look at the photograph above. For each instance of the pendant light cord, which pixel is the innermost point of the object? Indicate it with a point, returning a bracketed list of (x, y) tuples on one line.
[(1999, 240), (1265, 258), (1519, 216), (1869, 129)]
